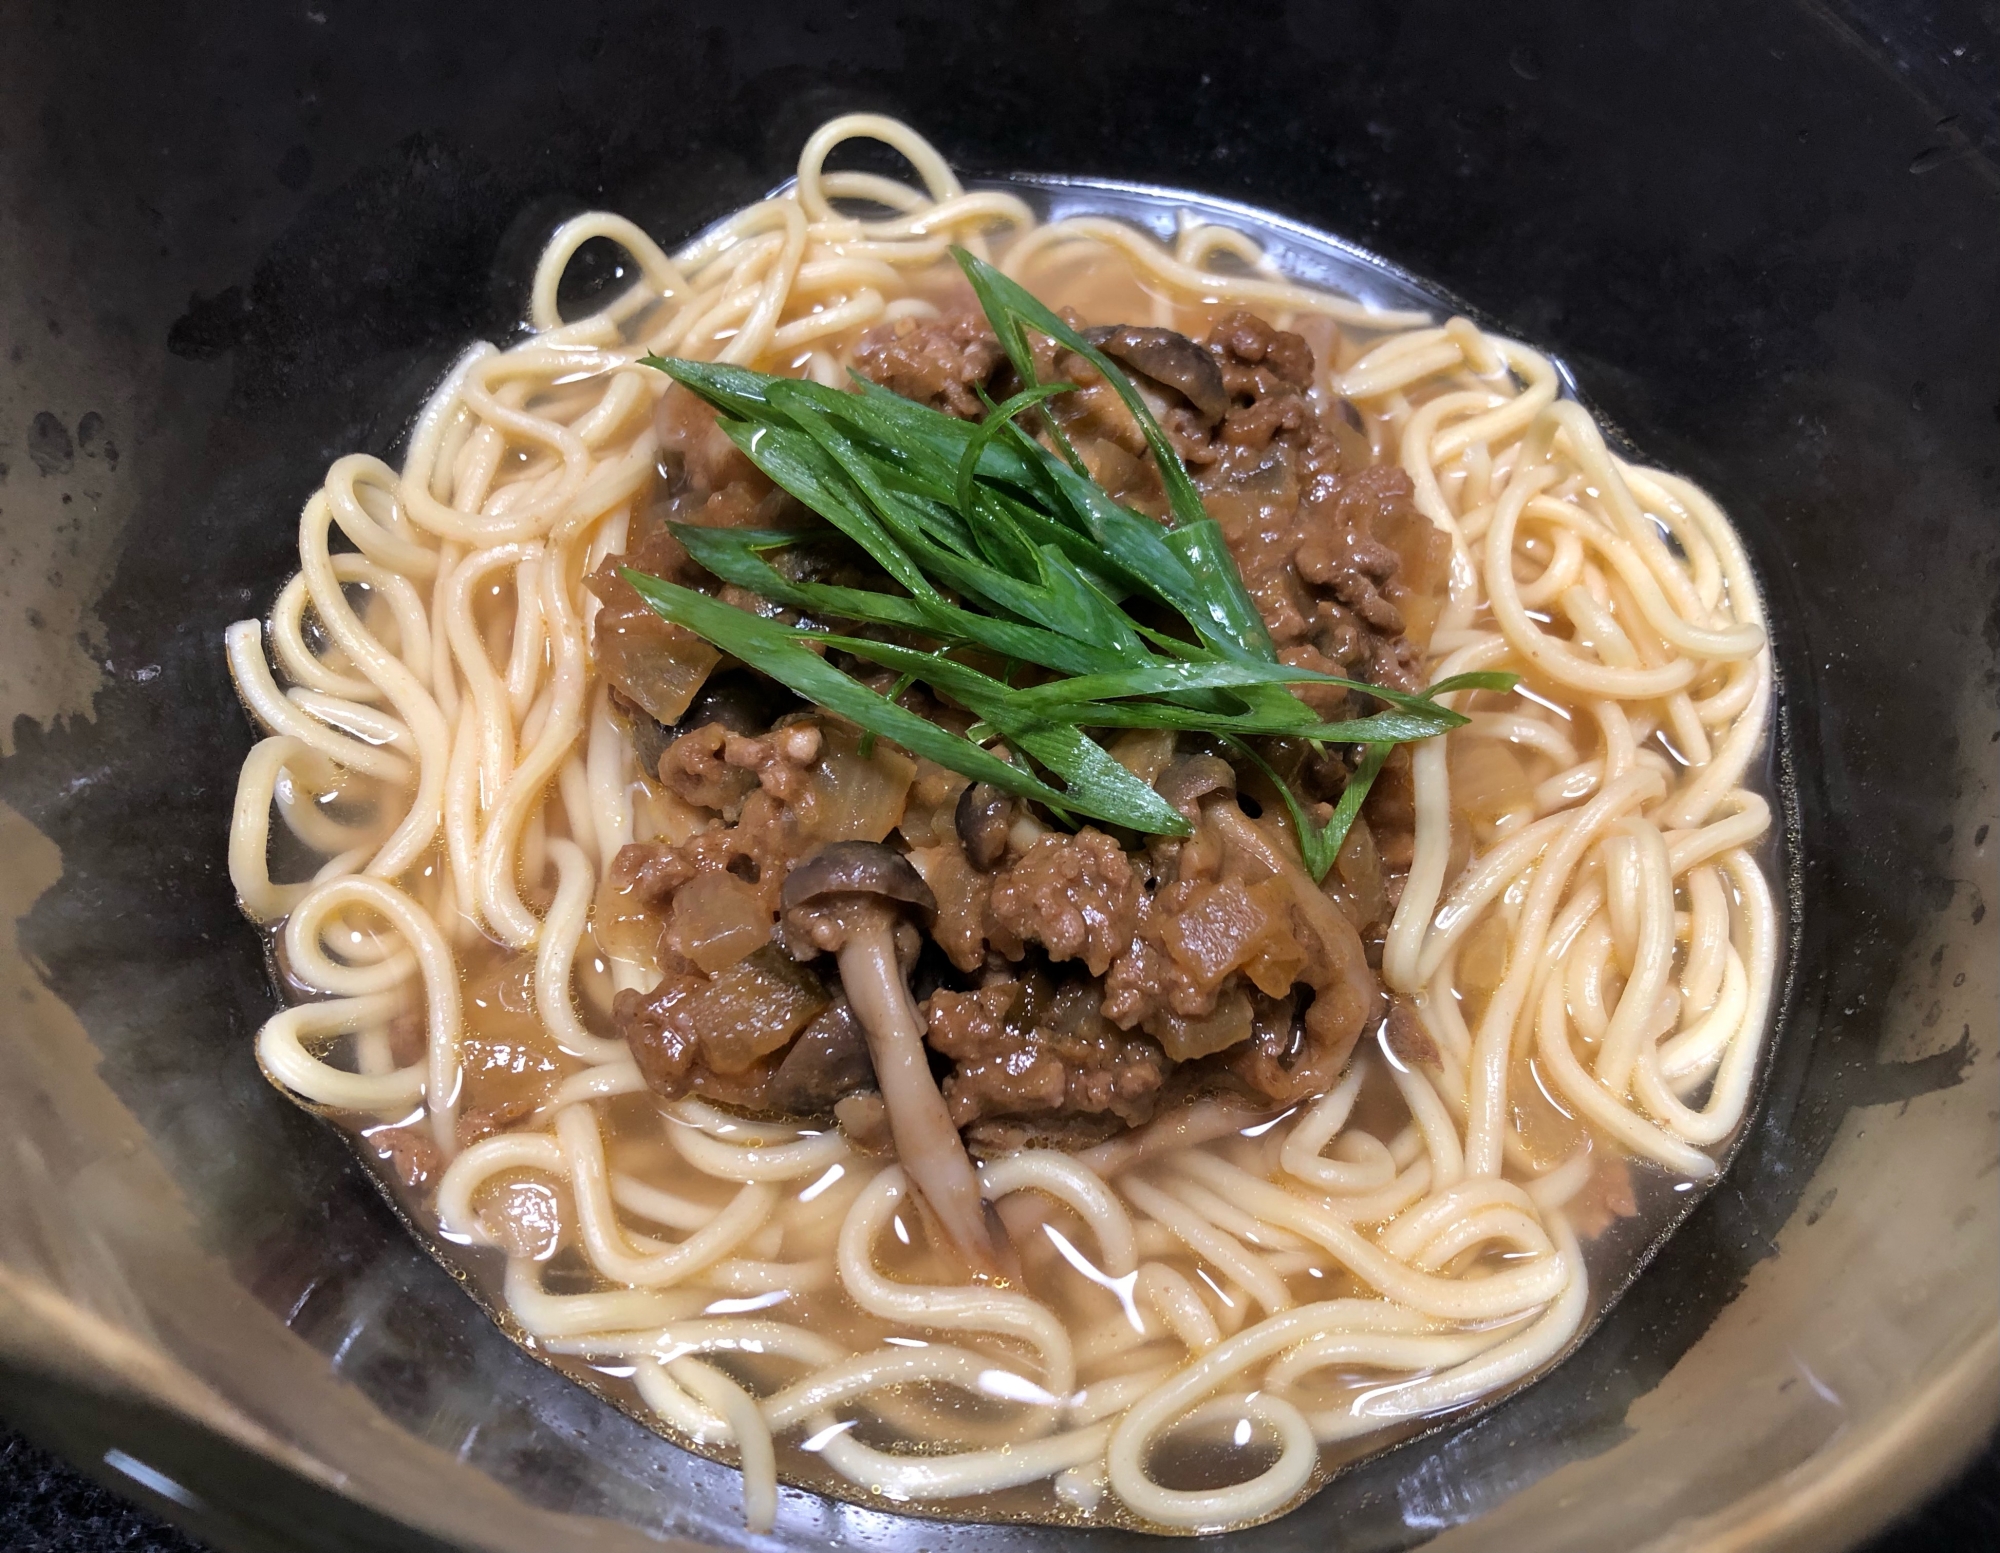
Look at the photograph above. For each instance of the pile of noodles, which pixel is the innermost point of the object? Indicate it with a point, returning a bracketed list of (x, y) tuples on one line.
[(450, 775)]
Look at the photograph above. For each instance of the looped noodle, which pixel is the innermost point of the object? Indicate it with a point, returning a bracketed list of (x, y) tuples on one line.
[(957, 1310), (1072, 1182)]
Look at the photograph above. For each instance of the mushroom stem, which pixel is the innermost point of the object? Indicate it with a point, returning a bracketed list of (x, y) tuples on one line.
[(1198, 1121), (927, 1144)]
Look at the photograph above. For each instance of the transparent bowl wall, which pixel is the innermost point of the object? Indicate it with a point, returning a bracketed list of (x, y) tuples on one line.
[(236, 244)]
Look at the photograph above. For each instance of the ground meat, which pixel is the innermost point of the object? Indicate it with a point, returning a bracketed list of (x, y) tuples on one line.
[(1250, 351), (1376, 568), (1343, 568), (1391, 810), (1405, 1036), (973, 1025), (1208, 927), (477, 1123), (1243, 976), (1073, 1131), (653, 871), (937, 362), (650, 870), (1029, 1048), (963, 895), (696, 451), (408, 1039), (1026, 1079), (730, 876), (1607, 1197), (692, 769), (714, 768), (723, 1036), (942, 362), (1137, 984), (1080, 988), (1077, 896), (667, 1049)]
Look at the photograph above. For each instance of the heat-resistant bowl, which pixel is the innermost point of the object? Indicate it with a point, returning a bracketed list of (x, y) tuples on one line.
[(240, 241)]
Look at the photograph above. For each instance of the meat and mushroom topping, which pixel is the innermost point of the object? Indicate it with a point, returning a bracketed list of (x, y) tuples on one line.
[(1348, 575), (838, 929), (1346, 572)]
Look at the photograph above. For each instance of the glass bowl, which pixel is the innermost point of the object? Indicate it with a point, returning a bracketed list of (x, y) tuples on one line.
[(239, 243)]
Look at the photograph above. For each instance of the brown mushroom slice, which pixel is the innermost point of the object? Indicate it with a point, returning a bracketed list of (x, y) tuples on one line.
[(1168, 358), (846, 899), (827, 1062), (984, 816), (742, 700), (1191, 778)]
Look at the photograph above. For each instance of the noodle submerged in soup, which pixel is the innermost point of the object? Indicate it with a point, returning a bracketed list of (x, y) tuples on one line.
[(903, 1136)]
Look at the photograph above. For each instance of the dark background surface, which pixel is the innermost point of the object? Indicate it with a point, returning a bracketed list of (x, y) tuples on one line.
[(46, 1506), (294, 230)]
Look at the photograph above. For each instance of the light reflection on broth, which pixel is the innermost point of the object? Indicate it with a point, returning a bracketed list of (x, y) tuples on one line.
[(1571, 914)]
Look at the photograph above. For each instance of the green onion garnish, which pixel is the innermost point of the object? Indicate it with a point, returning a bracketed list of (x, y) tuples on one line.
[(1001, 548)]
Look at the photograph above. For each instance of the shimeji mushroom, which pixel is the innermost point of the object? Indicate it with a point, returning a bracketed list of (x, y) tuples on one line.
[(846, 899)]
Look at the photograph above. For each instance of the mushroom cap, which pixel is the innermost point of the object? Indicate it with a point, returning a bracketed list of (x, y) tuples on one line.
[(1170, 358), (857, 868), (742, 700), (984, 816), (1192, 778)]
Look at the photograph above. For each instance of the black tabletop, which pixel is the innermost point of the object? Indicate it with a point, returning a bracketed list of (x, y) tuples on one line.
[(47, 1506)]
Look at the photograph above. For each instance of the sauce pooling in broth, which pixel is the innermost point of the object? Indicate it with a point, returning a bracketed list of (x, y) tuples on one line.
[(1210, 1294)]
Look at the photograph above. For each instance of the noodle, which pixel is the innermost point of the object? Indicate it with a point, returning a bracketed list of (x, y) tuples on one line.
[(1594, 982)]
